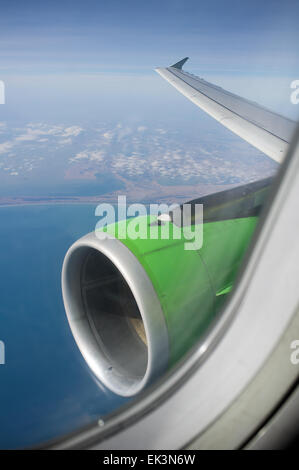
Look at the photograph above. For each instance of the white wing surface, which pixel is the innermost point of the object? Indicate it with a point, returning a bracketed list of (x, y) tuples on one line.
[(264, 129)]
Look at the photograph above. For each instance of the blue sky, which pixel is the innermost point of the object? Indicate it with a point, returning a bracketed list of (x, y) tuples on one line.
[(60, 57), (127, 35)]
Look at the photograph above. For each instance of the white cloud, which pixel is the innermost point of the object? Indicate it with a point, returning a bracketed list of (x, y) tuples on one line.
[(79, 156), (97, 155), (6, 146), (35, 134), (72, 131), (55, 130), (66, 141), (38, 132), (94, 155), (108, 135), (27, 137)]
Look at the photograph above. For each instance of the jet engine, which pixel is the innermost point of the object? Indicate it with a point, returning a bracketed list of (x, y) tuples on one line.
[(137, 305)]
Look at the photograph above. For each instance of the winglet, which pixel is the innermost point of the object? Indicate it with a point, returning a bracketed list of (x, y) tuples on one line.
[(179, 65)]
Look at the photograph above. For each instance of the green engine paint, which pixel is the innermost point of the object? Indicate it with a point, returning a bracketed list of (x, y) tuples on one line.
[(192, 285), (188, 282)]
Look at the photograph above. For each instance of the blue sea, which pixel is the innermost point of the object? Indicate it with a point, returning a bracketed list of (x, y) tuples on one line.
[(46, 390)]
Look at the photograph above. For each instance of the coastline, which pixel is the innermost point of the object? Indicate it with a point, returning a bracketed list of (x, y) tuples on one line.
[(169, 195)]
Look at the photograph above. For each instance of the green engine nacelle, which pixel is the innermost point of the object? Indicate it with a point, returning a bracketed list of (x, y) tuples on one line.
[(136, 306)]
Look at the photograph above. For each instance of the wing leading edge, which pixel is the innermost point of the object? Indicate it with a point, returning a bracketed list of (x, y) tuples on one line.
[(262, 128)]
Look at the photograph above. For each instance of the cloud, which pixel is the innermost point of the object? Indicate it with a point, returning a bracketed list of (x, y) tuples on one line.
[(34, 132), (26, 137), (94, 155), (6, 146), (40, 133), (79, 156), (97, 155), (72, 131), (108, 135), (67, 141)]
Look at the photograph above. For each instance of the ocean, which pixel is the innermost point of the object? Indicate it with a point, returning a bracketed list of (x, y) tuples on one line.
[(46, 389)]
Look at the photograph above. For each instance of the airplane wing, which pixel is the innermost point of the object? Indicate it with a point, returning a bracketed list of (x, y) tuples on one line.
[(262, 128)]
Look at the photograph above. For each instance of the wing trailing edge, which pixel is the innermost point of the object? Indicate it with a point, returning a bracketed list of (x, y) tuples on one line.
[(267, 131)]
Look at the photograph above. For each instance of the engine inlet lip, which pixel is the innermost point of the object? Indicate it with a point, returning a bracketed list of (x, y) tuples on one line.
[(147, 301)]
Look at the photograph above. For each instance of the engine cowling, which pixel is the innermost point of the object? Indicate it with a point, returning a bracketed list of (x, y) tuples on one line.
[(137, 305), (134, 305)]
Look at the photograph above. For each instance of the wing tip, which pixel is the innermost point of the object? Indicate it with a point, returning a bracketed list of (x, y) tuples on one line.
[(180, 63)]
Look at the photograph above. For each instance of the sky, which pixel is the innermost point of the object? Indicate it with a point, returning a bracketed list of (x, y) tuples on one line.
[(94, 59)]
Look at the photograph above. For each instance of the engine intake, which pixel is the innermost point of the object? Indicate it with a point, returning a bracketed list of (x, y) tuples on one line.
[(114, 314)]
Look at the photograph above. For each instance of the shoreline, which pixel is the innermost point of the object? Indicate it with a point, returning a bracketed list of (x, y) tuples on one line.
[(178, 195)]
